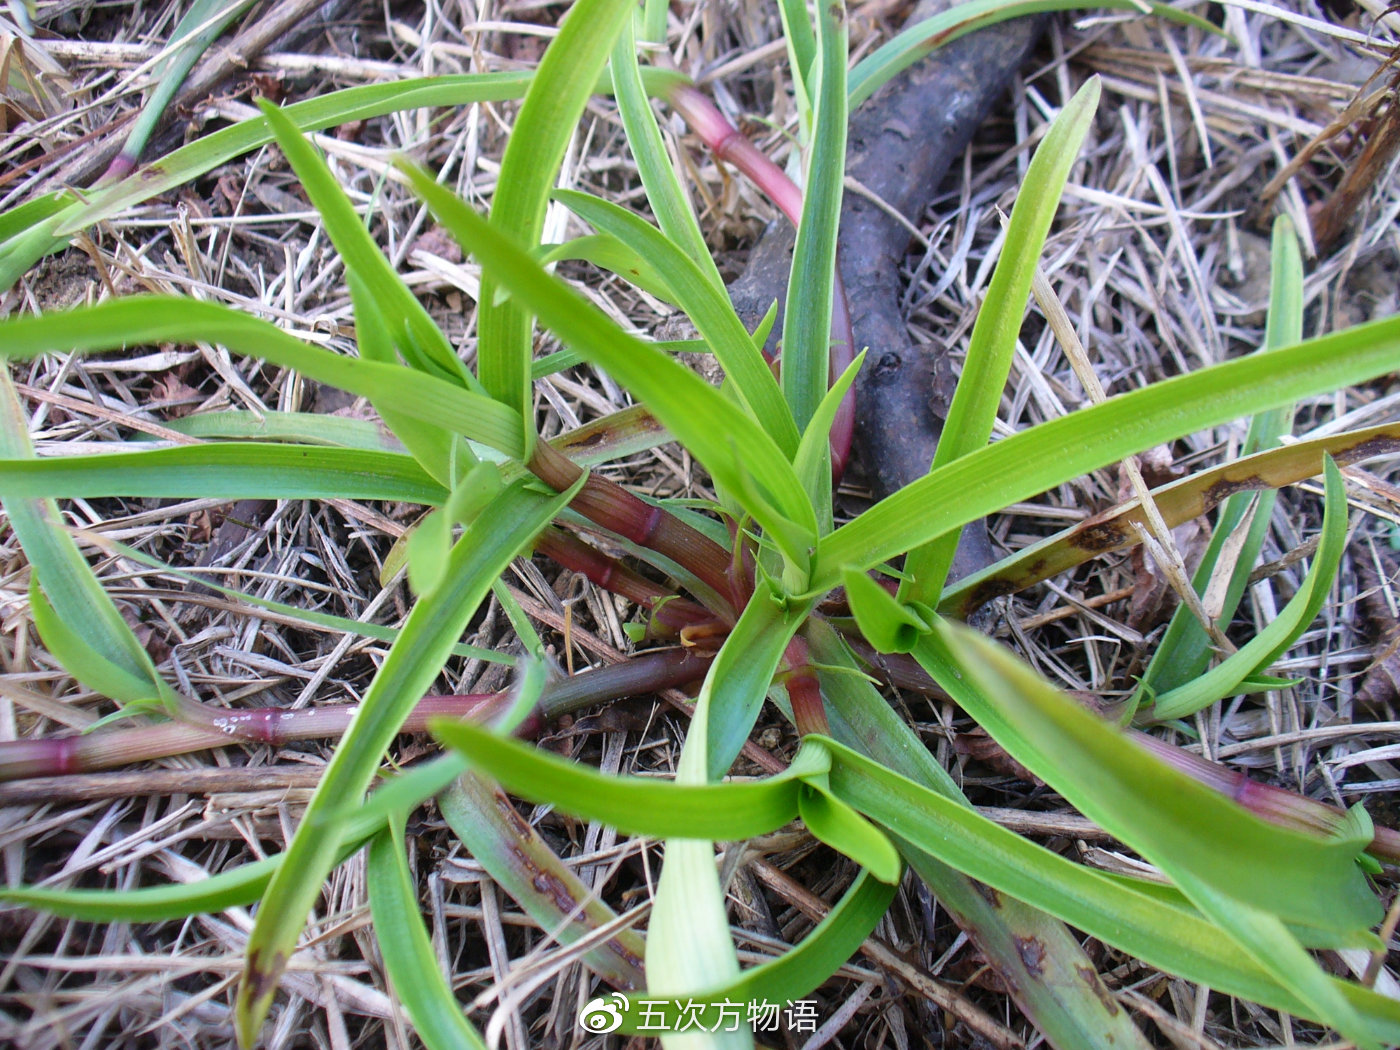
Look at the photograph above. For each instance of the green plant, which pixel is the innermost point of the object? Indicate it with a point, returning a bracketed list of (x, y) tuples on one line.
[(1250, 892)]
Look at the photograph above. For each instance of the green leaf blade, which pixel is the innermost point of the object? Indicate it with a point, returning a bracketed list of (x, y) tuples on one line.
[(1043, 456), (414, 661), (408, 953), (973, 410), (635, 805), (562, 83)]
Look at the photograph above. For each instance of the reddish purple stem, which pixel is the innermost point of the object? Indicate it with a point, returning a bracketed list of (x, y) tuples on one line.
[(119, 746), (804, 690)]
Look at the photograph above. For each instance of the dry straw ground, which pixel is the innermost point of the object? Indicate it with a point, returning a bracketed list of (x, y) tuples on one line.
[(1160, 256)]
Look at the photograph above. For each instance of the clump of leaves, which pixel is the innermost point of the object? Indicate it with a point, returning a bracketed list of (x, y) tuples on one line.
[(1251, 888)]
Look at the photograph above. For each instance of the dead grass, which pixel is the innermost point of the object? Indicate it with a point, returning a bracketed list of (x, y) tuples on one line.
[(1159, 257)]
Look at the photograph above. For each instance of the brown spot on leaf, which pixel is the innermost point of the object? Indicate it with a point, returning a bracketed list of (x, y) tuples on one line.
[(518, 823), (988, 894), (1376, 446), (1090, 976), (585, 440), (631, 958), (987, 590), (1032, 953), (1098, 536), (1227, 487), (263, 974), (548, 883)]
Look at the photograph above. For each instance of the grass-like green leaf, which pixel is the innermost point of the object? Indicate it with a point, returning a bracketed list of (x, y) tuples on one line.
[(26, 216), (562, 83), (734, 449), (409, 959), (889, 625), (433, 626), (415, 334), (813, 459), (66, 641), (802, 48), (608, 253), (688, 942), (1046, 455), (1185, 648), (1129, 916), (142, 319), (973, 410), (665, 193), (1191, 497), (706, 305), (1174, 821), (1062, 992), (100, 641), (903, 50), (290, 613), (1268, 940), (1278, 636), (807, 317), (636, 805), (48, 223), (842, 828), (201, 24), (740, 678), (302, 428), (441, 452), (229, 470)]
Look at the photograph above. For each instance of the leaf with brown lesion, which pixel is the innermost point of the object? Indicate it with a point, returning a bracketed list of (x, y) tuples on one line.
[(1112, 529)]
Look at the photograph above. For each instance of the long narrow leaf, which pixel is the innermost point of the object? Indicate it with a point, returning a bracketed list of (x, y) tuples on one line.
[(1184, 650), (903, 50), (201, 25), (144, 319), (243, 884), (418, 338), (636, 805), (1058, 986), (973, 410), (1171, 819), (435, 623), (79, 602), (50, 221), (562, 83), (807, 318), (408, 953), (1053, 452), (231, 470), (1278, 636), (1134, 920), (519, 860), (706, 305), (1112, 530), (791, 976), (667, 197)]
